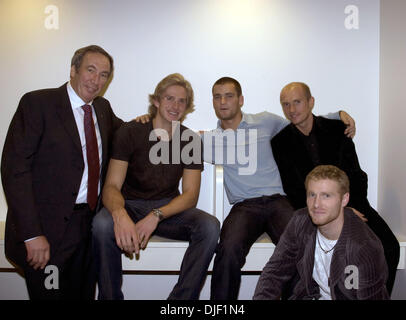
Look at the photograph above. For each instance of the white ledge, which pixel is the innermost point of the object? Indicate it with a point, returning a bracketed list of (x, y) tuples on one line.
[(163, 255)]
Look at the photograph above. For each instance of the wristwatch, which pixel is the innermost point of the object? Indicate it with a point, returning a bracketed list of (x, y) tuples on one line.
[(158, 213)]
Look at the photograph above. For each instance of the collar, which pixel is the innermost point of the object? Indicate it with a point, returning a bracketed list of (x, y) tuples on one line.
[(312, 131), (75, 100)]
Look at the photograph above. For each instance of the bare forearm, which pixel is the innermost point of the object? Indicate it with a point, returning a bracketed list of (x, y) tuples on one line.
[(180, 203), (113, 200)]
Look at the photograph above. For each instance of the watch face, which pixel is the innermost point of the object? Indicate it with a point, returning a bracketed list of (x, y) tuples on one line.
[(158, 213)]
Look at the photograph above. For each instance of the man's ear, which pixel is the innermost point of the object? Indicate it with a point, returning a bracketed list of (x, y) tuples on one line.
[(156, 103), (72, 71), (241, 101), (311, 102), (345, 200)]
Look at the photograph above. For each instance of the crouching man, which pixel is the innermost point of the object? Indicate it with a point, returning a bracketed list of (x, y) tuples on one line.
[(330, 251)]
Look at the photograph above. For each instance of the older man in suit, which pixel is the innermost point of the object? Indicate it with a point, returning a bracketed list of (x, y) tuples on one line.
[(53, 165)]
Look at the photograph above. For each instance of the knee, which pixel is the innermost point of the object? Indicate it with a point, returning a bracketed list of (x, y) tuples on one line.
[(209, 228), (212, 228), (231, 248), (229, 255), (102, 225)]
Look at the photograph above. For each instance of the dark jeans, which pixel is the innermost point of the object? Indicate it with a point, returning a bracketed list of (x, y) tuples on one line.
[(246, 221), (196, 226), (71, 276)]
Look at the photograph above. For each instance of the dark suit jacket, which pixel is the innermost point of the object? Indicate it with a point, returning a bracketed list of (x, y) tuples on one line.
[(42, 166), (294, 161), (357, 246)]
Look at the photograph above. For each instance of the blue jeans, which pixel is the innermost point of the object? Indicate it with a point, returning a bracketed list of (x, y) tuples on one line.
[(197, 227)]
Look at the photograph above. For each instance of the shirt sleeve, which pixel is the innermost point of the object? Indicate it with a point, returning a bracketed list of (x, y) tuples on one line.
[(275, 123), (123, 143), (192, 151), (21, 146), (332, 115)]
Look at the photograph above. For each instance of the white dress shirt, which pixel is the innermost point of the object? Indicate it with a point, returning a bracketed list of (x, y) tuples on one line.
[(77, 103)]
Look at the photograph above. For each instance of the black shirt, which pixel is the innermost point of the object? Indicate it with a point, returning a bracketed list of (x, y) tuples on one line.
[(311, 144)]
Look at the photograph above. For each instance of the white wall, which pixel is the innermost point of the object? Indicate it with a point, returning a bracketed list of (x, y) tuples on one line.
[(392, 112), (392, 156), (264, 43)]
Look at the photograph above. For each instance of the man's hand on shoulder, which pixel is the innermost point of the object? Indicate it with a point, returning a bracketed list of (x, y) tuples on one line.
[(145, 118), (350, 124), (359, 214)]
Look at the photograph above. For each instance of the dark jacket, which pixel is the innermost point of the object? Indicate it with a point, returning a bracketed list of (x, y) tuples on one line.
[(294, 161), (42, 166), (357, 246)]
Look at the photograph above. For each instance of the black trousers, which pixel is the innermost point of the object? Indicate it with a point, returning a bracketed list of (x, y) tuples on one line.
[(69, 274), (246, 221)]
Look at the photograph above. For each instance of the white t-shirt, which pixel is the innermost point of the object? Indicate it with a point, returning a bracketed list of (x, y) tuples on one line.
[(322, 261)]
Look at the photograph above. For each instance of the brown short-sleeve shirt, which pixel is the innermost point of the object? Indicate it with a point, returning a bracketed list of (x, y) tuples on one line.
[(155, 167)]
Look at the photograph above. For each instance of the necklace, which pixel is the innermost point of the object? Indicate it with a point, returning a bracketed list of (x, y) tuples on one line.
[(322, 249)]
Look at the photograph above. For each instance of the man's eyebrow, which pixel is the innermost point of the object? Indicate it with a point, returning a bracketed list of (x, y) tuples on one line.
[(225, 93)]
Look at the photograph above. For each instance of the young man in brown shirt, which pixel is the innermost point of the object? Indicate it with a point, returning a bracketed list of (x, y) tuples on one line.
[(141, 194)]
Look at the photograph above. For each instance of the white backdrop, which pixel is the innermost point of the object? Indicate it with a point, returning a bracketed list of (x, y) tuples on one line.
[(263, 43)]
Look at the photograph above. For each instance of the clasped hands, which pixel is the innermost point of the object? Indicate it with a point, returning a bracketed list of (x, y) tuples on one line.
[(130, 236)]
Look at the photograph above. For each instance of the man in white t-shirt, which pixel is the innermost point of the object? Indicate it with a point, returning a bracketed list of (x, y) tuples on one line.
[(332, 252)]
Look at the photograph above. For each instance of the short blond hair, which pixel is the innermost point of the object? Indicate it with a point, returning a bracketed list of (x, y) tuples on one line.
[(174, 79), (329, 172)]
